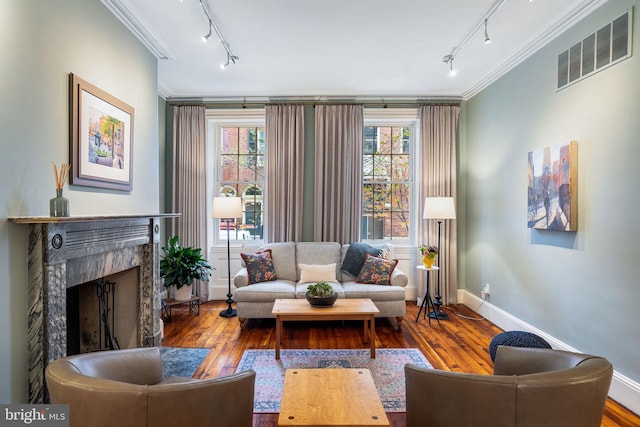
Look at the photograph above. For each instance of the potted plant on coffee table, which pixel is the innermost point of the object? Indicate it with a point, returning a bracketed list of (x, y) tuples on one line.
[(180, 265), (321, 294)]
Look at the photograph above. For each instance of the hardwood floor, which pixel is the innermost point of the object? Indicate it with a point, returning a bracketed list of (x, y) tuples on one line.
[(458, 344)]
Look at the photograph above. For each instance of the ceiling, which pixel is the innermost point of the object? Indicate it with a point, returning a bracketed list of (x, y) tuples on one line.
[(341, 48)]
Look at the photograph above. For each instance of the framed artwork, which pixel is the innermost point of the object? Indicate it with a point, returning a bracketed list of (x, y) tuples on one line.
[(553, 188), (100, 138)]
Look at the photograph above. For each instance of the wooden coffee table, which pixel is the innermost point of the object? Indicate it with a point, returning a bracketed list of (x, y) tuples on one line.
[(343, 309), (330, 397)]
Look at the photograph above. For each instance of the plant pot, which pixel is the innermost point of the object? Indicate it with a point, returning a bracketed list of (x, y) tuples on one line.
[(428, 260), (321, 301), (183, 293)]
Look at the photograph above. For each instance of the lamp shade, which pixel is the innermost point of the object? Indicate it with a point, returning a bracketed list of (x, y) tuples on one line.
[(227, 207), (439, 208)]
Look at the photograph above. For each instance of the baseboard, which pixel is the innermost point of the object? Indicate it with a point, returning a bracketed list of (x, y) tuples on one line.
[(623, 389)]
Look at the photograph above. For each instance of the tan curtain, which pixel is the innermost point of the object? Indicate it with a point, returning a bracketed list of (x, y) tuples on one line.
[(285, 172), (338, 175), (438, 130), (189, 181)]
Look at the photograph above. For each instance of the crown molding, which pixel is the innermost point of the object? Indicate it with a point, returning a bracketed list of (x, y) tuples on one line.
[(124, 15)]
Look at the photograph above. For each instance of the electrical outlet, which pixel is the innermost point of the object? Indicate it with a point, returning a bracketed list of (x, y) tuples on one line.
[(486, 291)]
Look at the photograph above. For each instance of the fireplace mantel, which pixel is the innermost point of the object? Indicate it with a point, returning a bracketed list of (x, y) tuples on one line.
[(84, 218), (68, 251)]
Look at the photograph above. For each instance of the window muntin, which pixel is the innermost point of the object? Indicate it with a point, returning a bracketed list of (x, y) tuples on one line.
[(386, 184)]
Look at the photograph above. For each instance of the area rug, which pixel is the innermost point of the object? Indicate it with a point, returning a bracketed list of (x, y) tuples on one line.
[(387, 370), (181, 362)]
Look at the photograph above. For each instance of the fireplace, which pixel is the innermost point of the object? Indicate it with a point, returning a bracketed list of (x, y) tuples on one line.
[(102, 314), (65, 253)]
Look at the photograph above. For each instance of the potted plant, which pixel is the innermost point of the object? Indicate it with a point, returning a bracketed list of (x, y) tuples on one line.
[(429, 255), (321, 294), (180, 265)]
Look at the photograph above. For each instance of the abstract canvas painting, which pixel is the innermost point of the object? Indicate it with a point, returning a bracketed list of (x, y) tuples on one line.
[(552, 192)]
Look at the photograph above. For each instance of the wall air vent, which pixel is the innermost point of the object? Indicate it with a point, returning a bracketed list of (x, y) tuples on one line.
[(599, 50)]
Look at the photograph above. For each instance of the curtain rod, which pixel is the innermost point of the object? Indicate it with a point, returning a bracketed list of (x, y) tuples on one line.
[(254, 104)]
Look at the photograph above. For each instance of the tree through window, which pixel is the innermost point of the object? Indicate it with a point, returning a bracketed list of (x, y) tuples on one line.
[(386, 182)]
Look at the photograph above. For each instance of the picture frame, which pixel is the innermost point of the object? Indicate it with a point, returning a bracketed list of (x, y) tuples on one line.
[(553, 188), (100, 137)]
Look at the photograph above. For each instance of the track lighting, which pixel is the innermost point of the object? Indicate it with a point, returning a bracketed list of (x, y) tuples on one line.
[(213, 26), (487, 39), (485, 21)]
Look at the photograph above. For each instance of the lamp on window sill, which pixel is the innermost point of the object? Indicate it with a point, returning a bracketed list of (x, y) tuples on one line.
[(439, 208), (227, 208)]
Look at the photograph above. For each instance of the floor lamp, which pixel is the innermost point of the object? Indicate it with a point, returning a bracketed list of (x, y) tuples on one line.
[(227, 208), (439, 208)]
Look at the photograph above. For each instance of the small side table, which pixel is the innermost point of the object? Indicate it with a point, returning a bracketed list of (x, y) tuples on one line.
[(427, 297), (168, 303)]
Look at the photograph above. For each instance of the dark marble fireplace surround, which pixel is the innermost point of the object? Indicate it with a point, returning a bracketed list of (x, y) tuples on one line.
[(67, 252)]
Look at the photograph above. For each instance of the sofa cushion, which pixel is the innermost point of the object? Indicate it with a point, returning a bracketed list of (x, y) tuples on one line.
[(376, 270), (356, 254), (373, 292), (312, 273), (259, 266), (266, 291), (283, 255)]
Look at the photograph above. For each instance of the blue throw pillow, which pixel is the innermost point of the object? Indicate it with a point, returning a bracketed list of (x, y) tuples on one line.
[(355, 256), (259, 266), (376, 271)]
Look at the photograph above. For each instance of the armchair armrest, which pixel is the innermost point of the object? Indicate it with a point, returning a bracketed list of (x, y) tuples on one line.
[(224, 400), (434, 396), (524, 360)]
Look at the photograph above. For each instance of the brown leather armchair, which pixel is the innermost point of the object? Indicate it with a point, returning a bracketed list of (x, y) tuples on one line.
[(530, 387), (125, 388)]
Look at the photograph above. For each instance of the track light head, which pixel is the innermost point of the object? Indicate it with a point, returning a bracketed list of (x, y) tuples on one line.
[(205, 38), (231, 59), (448, 59), (487, 39)]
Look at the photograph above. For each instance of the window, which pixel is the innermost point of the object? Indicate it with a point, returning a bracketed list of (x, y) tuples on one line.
[(238, 165), (387, 177)]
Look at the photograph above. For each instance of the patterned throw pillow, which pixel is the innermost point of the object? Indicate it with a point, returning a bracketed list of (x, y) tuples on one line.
[(376, 271), (259, 266)]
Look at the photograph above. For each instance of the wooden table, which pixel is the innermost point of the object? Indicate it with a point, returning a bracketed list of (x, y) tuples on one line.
[(343, 309), (330, 397)]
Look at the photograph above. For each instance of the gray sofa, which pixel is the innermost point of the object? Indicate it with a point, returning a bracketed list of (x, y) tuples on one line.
[(256, 300)]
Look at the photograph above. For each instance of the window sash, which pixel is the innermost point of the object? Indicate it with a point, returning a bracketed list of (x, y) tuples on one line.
[(385, 183), (237, 184)]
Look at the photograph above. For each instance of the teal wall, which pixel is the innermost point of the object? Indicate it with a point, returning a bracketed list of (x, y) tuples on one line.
[(582, 288), (41, 42)]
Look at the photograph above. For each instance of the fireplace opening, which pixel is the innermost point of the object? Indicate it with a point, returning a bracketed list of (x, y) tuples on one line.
[(103, 314)]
